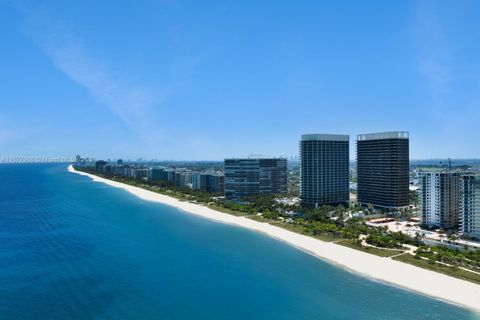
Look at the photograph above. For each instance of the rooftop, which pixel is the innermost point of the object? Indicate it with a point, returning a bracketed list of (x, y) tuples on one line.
[(383, 135), (325, 137)]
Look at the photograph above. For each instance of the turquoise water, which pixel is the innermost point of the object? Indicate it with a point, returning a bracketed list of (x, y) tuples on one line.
[(71, 248)]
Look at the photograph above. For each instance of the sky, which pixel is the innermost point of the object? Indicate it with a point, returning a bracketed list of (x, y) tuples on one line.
[(205, 80)]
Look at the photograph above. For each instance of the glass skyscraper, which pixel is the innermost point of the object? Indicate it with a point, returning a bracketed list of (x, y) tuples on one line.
[(383, 170), (324, 167)]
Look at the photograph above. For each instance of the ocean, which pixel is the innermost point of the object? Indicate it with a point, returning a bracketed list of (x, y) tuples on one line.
[(71, 248)]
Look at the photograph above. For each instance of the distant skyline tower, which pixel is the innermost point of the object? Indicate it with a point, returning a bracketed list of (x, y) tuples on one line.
[(324, 166), (383, 169)]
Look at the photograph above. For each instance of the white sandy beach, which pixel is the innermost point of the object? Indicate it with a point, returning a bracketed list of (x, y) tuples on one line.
[(423, 281)]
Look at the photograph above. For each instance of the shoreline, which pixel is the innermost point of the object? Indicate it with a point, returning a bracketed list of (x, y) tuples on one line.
[(406, 276)]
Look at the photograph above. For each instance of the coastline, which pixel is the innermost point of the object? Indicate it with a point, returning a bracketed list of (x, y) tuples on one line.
[(393, 272)]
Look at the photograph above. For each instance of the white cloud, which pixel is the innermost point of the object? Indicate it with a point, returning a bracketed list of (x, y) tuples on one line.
[(129, 102)]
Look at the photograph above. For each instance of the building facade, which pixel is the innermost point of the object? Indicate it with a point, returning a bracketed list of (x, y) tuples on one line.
[(100, 165), (209, 182), (141, 173), (440, 199), (249, 176), (383, 170), (470, 206), (183, 179), (158, 174), (324, 169)]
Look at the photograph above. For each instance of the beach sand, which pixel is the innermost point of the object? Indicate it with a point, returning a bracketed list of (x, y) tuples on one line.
[(433, 284)]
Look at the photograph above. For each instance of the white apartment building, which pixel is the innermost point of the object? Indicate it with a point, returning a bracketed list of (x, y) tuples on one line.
[(440, 199), (470, 206)]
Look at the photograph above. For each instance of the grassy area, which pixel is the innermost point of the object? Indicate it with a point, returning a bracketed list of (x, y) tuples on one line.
[(226, 210), (324, 237), (303, 230), (376, 251), (259, 218), (451, 271)]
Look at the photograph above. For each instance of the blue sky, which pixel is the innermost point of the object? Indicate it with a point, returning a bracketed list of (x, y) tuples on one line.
[(214, 79)]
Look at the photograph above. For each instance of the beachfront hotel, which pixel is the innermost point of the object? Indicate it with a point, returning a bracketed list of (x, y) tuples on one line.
[(254, 176), (440, 199), (383, 170), (324, 169)]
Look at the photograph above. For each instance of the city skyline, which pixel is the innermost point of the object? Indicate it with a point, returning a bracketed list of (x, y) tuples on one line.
[(228, 159), (72, 84)]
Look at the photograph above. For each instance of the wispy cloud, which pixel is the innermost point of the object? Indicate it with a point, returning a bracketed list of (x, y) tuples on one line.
[(129, 102)]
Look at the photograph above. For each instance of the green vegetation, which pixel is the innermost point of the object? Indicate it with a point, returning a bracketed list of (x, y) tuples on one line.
[(451, 271), (355, 244), (414, 197), (394, 240), (466, 259), (303, 229)]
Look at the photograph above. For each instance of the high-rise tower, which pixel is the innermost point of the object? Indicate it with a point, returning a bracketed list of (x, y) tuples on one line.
[(324, 166), (383, 170)]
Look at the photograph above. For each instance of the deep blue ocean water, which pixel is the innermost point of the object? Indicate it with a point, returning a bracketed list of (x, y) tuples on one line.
[(71, 248)]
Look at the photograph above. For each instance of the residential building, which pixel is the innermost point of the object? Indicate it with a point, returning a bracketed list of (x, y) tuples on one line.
[(183, 179), (142, 173), (196, 181), (470, 206), (254, 176), (440, 199), (129, 171), (107, 169), (324, 169), (171, 176), (214, 182), (158, 174), (118, 170), (383, 170), (209, 181), (100, 165)]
